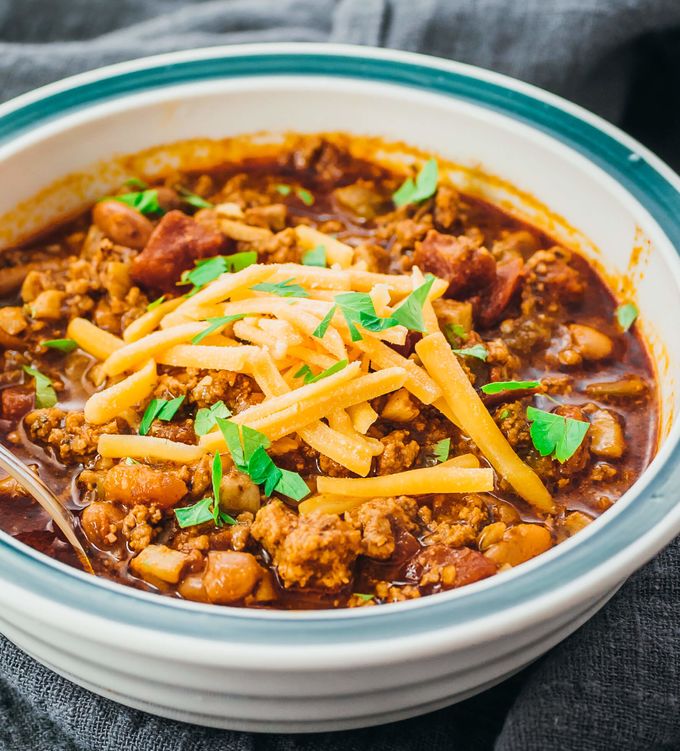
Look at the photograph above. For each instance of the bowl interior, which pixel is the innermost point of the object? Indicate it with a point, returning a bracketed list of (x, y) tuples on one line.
[(58, 168)]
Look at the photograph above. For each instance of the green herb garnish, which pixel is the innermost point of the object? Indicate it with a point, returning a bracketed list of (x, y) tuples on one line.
[(199, 513), (282, 289), (626, 315), (216, 324), (159, 409), (145, 201), (247, 449), (284, 190), (205, 419), (423, 187), (410, 312), (441, 449), (454, 334), (504, 414), (305, 372), (63, 345), (477, 350), (194, 200), (315, 257), (320, 331), (158, 301), (499, 386), (365, 598), (305, 196), (130, 461), (45, 395), (209, 269), (135, 182), (554, 434), (216, 481)]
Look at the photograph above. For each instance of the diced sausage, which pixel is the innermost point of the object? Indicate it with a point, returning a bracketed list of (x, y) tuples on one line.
[(122, 224), (16, 402), (137, 483), (230, 576), (101, 523), (466, 267), (174, 245), (496, 298), (450, 567)]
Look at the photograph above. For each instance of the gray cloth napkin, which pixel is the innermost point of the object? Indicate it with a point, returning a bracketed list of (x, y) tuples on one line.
[(613, 685)]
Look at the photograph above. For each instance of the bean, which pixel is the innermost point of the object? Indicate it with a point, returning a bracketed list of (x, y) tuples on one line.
[(590, 343), (519, 544)]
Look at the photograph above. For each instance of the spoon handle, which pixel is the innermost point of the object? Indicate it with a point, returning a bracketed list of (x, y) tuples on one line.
[(30, 482)]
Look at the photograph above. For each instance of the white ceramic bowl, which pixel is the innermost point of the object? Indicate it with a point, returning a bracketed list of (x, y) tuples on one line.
[(305, 671)]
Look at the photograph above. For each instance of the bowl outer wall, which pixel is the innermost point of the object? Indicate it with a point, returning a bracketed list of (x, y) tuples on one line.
[(348, 628)]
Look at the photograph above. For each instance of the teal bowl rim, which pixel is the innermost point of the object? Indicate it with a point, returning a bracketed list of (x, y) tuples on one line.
[(655, 190)]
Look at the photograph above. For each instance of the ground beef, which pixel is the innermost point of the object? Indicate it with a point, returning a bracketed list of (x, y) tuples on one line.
[(316, 550), (399, 454), (456, 521), (375, 520), (140, 526)]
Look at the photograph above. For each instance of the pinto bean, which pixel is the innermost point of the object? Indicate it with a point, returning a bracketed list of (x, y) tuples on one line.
[(519, 544), (101, 522), (230, 576), (122, 224), (137, 483), (606, 434), (590, 343)]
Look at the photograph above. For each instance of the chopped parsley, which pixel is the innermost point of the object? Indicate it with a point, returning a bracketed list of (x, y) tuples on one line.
[(159, 409), (555, 435), (158, 301), (284, 190), (130, 461), (193, 199), (626, 315), (320, 331), (135, 182), (205, 419), (454, 333), (247, 449), (207, 509), (410, 312), (499, 386), (504, 414), (315, 257), (217, 324), (424, 186), (45, 395), (477, 350), (145, 201), (305, 372), (208, 269), (63, 345), (283, 289), (305, 196), (441, 449), (363, 597)]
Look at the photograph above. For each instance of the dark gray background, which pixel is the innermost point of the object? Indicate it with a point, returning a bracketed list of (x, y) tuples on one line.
[(616, 683)]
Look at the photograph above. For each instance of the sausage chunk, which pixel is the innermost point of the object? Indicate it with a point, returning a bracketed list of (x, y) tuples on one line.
[(123, 224), (459, 260), (173, 247), (137, 483), (16, 402), (494, 300), (450, 568)]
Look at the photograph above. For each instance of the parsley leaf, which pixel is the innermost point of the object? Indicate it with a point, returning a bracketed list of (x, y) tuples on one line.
[(253, 440), (45, 395), (159, 409), (441, 449), (216, 480), (263, 471), (135, 182), (306, 372), (208, 269), (232, 436), (193, 199), (320, 331), (158, 301), (200, 512), (423, 187), (217, 323), (477, 350), (129, 460), (315, 257), (555, 434), (353, 305), (145, 201), (282, 289), (292, 485), (205, 419), (410, 312), (504, 414), (365, 598), (284, 190), (498, 386), (454, 333), (305, 196), (626, 315), (63, 345)]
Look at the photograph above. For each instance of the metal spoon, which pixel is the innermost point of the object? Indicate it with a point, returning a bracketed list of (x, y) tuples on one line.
[(36, 488)]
